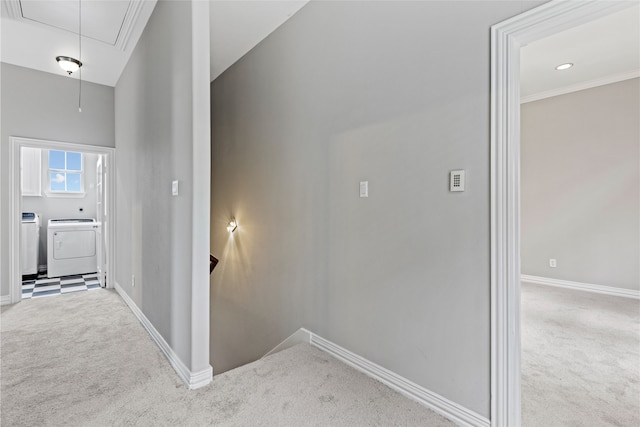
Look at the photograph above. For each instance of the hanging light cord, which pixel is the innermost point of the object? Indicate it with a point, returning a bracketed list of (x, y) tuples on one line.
[(80, 55)]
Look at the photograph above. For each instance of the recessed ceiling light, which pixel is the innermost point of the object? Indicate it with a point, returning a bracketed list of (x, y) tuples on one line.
[(564, 66)]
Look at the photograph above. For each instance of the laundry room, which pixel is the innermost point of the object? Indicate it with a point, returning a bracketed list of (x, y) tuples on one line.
[(60, 233)]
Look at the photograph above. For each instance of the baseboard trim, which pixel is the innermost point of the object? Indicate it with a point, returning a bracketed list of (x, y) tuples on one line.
[(298, 337), (445, 407), (5, 299), (588, 287), (200, 379), (193, 380)]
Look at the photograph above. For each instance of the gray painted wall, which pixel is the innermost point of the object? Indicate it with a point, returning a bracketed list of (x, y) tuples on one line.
[(580, 188), (44, 106), (396, 93), (63, 207), (154, 142)]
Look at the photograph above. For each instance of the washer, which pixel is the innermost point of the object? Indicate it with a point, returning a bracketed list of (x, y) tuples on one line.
[(30, 243), (71, 247)]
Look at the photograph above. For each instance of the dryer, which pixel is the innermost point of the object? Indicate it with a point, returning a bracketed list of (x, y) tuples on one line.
[(71, 247)]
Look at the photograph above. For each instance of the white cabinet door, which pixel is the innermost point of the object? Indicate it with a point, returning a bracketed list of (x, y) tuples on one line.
[(30, 171)]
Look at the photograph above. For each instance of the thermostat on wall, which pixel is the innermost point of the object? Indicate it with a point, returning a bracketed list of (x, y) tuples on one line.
[(456, 180)]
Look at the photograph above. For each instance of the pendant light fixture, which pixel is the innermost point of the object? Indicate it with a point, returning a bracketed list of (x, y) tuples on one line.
[(70, 64)]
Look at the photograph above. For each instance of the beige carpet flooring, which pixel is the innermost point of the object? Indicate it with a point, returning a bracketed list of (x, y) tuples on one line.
[(83, 359), (580, 358)]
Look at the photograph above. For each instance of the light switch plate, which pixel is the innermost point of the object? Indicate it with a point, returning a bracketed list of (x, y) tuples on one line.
[(364, 188), (174, 188)]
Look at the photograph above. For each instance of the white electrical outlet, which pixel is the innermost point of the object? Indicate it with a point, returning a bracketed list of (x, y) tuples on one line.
[(133, 280), (553, 263)]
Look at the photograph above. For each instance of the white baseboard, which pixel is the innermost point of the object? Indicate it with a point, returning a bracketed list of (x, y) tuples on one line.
[(451, 410), (588, 287), (5, 299), (193, 380), (298, 337)]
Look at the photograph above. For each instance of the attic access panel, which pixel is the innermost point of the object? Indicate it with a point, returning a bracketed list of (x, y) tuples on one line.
[(101, 20)]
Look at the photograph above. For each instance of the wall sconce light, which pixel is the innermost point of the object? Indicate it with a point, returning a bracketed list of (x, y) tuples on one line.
[(232, 225)]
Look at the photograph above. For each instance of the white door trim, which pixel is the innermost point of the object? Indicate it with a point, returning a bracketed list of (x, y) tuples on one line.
[(15, 204), (506, 39)]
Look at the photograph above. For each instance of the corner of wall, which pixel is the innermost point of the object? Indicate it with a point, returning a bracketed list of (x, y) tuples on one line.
[(193, 380)]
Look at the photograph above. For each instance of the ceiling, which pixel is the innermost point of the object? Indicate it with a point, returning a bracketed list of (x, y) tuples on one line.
[(238, 26), (34, 32), (603, 51)]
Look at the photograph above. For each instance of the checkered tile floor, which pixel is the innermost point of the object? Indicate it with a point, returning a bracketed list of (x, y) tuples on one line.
[(43, 287)]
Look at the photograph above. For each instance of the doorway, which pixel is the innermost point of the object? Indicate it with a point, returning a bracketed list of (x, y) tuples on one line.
[(507, 39), (97, 164)]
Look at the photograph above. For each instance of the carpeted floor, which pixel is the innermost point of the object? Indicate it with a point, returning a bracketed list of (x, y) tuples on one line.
[(580, 358), (83, 359)]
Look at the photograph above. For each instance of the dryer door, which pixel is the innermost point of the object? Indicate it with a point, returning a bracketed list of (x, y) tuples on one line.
[(74, 244)]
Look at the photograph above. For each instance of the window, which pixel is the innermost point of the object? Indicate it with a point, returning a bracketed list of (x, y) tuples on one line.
[(65, 172)]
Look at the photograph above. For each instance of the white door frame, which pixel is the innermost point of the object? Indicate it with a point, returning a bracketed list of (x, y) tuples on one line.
[(506, 39), (15, 204)]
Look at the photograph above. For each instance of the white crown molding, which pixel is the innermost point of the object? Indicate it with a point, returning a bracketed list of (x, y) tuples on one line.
[(128, 24), (193, 380), (587, 287), (12, 9), (445, 407), (581, 86)]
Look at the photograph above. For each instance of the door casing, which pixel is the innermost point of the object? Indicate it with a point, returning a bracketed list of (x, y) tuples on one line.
[(506, 40), (15, 204)]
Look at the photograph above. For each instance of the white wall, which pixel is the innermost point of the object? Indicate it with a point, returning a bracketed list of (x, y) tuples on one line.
[(580, 186), (37, 105), (62, 207), (396, 93), (157, 141)]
